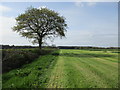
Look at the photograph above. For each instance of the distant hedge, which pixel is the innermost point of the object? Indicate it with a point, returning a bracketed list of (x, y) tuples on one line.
[(15, 58)]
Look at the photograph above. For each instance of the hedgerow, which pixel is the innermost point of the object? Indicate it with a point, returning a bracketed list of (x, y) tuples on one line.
[(15, 58)]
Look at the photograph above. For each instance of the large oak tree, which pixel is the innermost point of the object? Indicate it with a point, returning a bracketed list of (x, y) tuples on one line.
[(40, 24)]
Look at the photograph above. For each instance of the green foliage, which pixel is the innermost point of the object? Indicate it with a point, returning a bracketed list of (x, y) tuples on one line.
[(40, 24), (15, 58)]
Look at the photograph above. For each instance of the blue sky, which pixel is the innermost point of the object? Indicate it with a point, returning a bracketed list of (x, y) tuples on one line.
[(89, 23)]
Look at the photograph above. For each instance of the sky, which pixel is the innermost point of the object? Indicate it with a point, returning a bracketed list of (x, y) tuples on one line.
[(89, 23)]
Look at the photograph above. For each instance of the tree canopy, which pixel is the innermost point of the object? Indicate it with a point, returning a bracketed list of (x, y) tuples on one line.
[(40, 24)]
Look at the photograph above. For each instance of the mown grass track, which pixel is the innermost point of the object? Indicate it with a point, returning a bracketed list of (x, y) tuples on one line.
[(67, 69), (85, 69)]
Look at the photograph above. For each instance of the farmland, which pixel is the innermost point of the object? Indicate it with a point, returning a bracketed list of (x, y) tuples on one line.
[(67, 68)]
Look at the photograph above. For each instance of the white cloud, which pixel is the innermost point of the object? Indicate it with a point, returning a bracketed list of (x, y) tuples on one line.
[(91, 3), (6, 24), (79, 4), (7, 36), (4, 8), (42, 7)]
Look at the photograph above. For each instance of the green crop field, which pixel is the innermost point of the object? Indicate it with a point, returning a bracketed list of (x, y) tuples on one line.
[(67, 69)]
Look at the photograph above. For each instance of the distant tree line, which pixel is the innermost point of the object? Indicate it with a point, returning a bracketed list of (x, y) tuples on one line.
[(15, 47), (85, 47), (59, 47), (23, 47)]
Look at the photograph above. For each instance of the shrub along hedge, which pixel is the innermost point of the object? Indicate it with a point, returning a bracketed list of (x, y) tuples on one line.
[(15, 58)]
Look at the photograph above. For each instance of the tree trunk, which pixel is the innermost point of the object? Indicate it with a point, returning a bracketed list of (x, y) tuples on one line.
[(40, 46), (40, 43)]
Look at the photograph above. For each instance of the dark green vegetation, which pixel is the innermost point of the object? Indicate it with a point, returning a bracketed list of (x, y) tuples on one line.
[(67, 69), (15, 58)]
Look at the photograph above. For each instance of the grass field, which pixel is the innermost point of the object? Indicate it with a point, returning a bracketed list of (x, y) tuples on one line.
[(67, 69)]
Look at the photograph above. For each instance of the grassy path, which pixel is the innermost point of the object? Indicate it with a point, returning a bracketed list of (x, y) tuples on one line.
[(67, 69), (58, 75)]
